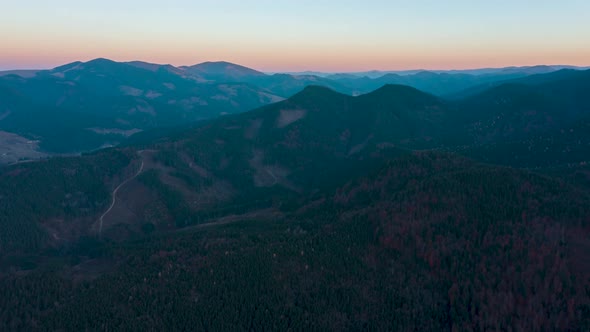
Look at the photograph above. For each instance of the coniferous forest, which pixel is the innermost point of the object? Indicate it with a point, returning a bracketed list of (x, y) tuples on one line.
[(393, 210)]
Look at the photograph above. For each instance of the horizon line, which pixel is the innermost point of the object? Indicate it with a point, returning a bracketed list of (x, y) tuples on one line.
[(491, 67)]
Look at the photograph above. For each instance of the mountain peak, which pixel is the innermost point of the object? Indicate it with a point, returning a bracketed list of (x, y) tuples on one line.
[(315, 91), (218, 63), (146, 65), (426, 73), (100, 61), (222, 70), (393, 89), (317, 88), (224, 66), (400, 94)]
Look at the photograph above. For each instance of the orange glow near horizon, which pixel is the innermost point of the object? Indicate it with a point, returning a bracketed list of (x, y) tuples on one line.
[(342, 60), (274, 36)]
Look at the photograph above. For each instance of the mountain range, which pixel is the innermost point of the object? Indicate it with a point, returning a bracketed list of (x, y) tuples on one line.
[(397, 208), (83, 106), (318, 138), (80, 107)]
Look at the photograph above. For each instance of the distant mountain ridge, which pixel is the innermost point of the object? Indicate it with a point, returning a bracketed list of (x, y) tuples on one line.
[(221, 71), (537, 69), (101, 101)]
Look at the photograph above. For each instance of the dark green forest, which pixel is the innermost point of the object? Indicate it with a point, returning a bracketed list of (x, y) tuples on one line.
[(395, 210)]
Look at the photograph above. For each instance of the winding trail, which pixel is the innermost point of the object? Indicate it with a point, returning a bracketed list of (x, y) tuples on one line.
[(114, 201)]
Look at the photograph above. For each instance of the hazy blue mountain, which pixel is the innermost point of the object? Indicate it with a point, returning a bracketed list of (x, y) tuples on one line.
[(287, 85), (222, 72), (527, 106), (440, 84), (22, 73), (284, 85), (530, 70), (100, 102), (533, 79)]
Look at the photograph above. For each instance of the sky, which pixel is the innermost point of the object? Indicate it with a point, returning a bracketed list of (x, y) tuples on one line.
[(298, 35)]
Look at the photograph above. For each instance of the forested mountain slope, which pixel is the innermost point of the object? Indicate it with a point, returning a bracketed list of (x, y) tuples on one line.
[(323, 211), (429, 241)]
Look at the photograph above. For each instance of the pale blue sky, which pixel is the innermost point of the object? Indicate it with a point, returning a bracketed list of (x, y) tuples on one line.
[(298, 35)]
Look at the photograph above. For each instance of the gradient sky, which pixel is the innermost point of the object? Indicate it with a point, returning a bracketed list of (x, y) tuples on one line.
[(281, 35)]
